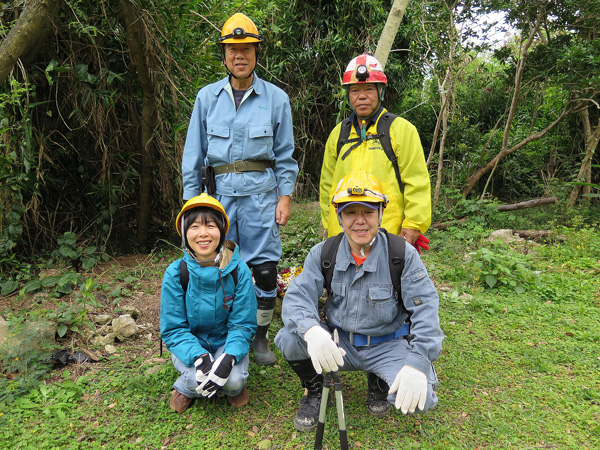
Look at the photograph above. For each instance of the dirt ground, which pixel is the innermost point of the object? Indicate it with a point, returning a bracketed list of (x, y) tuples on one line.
[(143, 292)]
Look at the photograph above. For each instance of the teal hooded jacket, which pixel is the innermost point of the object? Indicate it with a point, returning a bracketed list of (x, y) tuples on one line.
[(196, 322)]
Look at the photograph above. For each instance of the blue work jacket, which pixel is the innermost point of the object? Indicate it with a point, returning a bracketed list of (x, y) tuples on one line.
[(363, 299), (196, 323), (260, 129)]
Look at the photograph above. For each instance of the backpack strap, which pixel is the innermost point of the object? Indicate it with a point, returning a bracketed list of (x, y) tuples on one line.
[(383, 133), (328, 256), (184, 275), (344, 133), (396, 249), (184, 279)]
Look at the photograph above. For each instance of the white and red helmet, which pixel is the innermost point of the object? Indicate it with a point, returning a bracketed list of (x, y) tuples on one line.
[(364, 68)]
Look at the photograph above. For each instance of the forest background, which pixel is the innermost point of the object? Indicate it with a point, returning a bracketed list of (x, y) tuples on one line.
[(95, 99)]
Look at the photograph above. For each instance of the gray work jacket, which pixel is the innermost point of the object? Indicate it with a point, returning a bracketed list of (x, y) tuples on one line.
[(363, 299)]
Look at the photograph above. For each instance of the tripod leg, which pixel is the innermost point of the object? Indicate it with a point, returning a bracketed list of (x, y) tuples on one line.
[(322, 413), (339, 401)]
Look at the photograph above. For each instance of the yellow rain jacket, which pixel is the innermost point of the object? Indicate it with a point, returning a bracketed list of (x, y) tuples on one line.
[(409, 210)]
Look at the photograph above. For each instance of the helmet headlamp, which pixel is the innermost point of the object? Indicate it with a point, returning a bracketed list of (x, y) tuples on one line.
[(362, 73)]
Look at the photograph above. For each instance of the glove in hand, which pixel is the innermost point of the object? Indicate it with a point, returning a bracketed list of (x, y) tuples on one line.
[(217, 377), (411, 387), (324, 353), (203, 365), (421, 243)]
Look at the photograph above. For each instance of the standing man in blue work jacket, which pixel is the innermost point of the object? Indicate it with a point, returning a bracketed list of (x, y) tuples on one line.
[(239, 148)]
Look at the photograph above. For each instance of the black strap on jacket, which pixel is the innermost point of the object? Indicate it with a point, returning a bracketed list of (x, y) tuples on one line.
[(184, 276), (383, 134), (184, 279), (396, 248)]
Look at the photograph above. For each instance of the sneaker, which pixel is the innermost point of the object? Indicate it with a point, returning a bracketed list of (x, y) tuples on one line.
[(180, 402), (237, 401), (377, 393), (308, 415)]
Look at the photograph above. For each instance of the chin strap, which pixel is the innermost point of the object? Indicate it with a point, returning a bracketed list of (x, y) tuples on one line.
[(363, 120), (362, 249)]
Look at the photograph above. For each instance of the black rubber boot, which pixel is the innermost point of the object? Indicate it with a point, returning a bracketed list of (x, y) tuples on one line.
[(262, 355), (377, 393), (308, 415)]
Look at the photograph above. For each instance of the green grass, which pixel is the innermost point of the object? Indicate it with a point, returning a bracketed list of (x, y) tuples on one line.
[(517, 371)]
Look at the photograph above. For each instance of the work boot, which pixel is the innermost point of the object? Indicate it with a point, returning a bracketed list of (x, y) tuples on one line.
[(262, 355), (308, 415), (237, 401), (180, 402), (377, 393)]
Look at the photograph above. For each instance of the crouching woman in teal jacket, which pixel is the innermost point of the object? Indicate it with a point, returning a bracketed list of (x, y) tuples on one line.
[(207, 309)]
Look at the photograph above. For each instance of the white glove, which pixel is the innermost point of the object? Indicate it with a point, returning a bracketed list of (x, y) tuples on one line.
[(324, 353), (411, 385)]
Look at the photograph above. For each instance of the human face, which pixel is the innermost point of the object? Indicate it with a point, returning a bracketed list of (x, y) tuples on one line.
[(203, 237), (364, 98), (240, 59), (360, 223)]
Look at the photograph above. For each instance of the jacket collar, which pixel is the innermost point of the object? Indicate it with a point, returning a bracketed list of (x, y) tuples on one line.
[(258, 85), (372, 120), (344, 257)]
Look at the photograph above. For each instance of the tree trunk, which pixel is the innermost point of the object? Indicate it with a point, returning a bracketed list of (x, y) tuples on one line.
[(591, 143), (28, 35), (527, 204), (386, 40), (136, 41), (447, 91), (504, 151)]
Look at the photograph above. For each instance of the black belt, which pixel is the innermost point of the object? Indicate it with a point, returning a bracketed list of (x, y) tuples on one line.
[(243, 166)]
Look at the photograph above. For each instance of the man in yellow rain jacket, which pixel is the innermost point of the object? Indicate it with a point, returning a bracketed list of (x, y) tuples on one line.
[(409, 211)]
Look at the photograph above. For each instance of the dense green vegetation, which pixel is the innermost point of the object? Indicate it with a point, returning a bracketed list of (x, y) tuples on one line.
[(92, 123), (518, 369)]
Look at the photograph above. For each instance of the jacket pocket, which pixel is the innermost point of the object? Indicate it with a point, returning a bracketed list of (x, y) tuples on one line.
[(260, 143), (260, 132), (216, 130), (383, 307)]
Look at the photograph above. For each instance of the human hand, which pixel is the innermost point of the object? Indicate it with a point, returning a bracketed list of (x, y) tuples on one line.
[(217, 377), (203, 365), (324, 353), (283, 211), (421, 243), (411, 387), (410, 235)]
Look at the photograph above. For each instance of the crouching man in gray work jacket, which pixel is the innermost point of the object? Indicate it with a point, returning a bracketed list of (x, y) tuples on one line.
[(368, 317)]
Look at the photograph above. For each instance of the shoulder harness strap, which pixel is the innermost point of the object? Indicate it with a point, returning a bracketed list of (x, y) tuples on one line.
[(396, 248), (343, 138), (383, 133), (328, 256), (184, 275)]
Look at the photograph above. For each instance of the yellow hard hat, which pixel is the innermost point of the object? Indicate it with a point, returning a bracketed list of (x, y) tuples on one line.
[(202, 200), (239, 29), (359, 186)]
